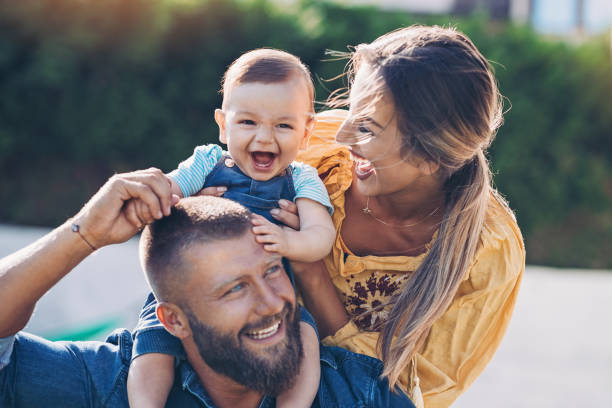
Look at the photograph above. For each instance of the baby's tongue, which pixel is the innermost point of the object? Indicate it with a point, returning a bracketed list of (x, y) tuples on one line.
[(262, 157)]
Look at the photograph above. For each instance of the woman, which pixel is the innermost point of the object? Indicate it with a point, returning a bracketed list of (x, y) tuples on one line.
[(428, 257)]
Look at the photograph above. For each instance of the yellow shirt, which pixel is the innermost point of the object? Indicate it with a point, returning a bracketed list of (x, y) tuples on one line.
[(463, 340)]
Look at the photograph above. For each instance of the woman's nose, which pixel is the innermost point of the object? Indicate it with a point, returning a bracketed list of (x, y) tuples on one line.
[(345, 134)]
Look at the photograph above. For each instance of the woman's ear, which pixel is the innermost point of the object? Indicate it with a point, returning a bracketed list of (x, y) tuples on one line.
[(428, 167), (173, 319), (220, 119)]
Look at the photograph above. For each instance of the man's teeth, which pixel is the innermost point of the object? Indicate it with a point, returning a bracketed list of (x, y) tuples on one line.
[(265, 333)]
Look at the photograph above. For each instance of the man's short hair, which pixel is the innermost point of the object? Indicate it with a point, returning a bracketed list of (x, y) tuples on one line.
[(194, 220)]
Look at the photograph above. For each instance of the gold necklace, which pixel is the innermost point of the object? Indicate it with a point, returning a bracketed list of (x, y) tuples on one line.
[(368, 211)]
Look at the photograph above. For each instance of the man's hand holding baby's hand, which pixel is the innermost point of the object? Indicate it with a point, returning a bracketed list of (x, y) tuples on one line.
[(274, 237)]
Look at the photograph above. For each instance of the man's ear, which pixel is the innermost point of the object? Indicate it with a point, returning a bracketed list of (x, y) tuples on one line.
[(220, 119), (173, 319), (428, 167), (310, 124)]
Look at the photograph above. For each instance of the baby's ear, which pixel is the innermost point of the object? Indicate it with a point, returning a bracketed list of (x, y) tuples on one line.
[(220, 119), (173, 319), (310, 125)]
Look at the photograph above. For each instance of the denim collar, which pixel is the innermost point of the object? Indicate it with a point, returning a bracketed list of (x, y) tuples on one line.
[(190, 382)]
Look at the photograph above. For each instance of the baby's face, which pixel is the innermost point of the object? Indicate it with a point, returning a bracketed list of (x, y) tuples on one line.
[(264, 125)]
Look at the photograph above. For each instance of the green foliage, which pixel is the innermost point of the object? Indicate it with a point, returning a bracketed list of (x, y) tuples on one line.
[(91, 88)]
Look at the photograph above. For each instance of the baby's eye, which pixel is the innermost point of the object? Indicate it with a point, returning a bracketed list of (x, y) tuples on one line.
[(246, 122), (285, 126)]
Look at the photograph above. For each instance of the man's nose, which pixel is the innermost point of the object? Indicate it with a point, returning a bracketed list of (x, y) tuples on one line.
[(269, 301)]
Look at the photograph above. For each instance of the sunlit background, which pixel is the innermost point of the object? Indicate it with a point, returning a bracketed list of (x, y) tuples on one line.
[(90, 88)]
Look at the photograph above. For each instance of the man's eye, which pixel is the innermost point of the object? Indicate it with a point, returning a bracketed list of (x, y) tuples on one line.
[(273, 270), (236, 288)]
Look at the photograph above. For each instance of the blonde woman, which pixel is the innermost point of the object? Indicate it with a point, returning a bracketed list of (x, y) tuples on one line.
[(428, 257)]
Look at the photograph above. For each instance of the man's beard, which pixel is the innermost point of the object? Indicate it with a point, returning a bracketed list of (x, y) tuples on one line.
[(270, 374)]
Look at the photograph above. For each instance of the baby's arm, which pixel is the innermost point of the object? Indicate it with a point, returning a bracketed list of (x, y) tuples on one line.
[(312, 242), (150, 379), (304, 391)]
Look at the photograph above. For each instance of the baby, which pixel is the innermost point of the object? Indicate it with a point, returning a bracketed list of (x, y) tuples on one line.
[(266, 117)]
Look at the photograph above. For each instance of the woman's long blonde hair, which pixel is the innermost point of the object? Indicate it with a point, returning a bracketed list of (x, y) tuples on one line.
[(448, 109)]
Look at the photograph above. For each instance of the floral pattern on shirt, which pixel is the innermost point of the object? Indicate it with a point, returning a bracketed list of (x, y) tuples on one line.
[(367, 297)]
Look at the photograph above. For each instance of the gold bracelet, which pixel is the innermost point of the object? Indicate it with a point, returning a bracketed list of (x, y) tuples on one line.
[(77, 228)]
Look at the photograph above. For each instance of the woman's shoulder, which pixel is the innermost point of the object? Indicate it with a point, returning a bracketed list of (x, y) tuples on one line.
[(501, 253), (332, 160)]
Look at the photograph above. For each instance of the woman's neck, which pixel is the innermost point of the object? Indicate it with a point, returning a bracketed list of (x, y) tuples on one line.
[(406, 206)]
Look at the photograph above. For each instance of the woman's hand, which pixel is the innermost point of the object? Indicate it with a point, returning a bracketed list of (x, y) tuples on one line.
[(217, 191), (287, 214)]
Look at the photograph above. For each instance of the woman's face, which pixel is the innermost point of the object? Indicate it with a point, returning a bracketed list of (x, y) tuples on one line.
[(372, 134)]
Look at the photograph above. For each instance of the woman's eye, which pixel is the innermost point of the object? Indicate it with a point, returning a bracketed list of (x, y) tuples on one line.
[(363, 129)]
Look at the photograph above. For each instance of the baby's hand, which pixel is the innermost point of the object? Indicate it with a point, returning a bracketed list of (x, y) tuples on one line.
[(271, 235)]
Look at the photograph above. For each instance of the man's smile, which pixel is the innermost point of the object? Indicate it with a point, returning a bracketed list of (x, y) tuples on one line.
[(266, 332)]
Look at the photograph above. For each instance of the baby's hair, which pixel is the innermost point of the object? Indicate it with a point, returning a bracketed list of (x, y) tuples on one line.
[(266, 65)]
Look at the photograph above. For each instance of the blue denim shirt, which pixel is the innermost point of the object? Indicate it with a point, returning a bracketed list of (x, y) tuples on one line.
[(63, 374)]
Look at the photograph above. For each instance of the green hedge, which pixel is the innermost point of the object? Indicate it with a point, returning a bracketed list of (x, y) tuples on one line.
[(93, 88)]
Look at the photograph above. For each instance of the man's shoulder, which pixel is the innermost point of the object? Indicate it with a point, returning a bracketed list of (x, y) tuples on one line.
[(6, 349), (351, 379)]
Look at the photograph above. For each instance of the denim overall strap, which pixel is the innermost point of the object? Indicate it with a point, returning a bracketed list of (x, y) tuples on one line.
[(258, 196)]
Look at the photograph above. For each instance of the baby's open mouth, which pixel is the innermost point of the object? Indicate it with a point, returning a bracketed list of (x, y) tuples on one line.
[(263, 160)]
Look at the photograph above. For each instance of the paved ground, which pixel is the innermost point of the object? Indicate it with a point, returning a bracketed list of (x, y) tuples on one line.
[(557, 352)]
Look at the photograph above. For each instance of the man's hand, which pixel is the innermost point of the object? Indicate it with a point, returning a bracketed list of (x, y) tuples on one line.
[(28, 274), (124, 205)]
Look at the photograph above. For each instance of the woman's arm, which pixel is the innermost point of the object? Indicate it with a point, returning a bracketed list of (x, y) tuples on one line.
[(320, 297), (317, 290), (28, 274)]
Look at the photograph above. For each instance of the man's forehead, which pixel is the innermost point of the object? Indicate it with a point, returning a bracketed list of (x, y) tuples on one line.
[(229, 257)]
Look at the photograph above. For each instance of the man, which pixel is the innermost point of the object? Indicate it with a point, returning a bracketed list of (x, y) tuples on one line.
[(223, 296)]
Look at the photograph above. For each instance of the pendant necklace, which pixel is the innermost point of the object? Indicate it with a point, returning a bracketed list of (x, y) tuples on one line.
[(368, 211)]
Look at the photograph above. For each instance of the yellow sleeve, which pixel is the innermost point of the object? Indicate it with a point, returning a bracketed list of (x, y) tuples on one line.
[(463, 340), (332, 160)]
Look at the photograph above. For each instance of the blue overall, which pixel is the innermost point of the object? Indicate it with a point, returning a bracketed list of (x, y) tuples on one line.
[(258, 196)]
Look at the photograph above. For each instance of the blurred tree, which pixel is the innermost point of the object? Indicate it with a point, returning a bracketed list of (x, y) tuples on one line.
[(92, 88)]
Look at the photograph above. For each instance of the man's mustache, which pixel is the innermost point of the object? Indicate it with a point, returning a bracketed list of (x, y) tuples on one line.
[(268, 321)]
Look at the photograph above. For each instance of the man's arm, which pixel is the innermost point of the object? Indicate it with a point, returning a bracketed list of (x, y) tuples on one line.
[(26, 275)]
